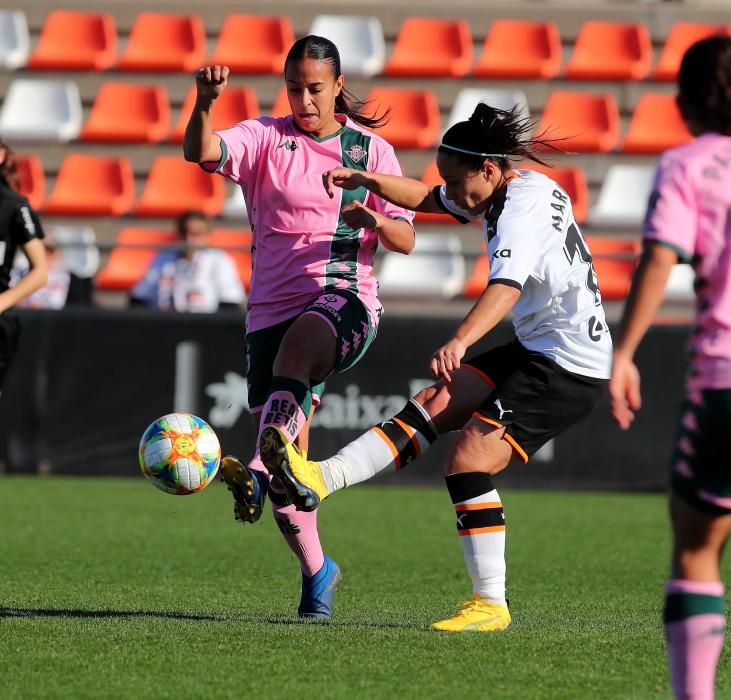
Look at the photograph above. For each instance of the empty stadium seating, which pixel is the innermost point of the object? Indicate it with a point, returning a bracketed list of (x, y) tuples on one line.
[(623, 196), (434, 269), (656, 125), (92, 186), (78, 249), (76, 41), (41, 110), (237, 244), (611, 51), (501, 98), (680, 37), (359, 40), (253, 43), (134, 251), (32, 179), (581, 121), (165, 42), (174, 186), (14, 39), (414, 119), (430, 47), (520, 49), (129, 112)]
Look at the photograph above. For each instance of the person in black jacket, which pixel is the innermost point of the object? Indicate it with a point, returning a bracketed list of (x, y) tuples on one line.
[(20, 227)]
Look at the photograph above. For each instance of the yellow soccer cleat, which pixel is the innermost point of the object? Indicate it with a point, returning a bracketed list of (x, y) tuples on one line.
[(476, 615), (301, 478)]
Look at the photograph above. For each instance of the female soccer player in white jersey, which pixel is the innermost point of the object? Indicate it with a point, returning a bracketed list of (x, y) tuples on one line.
[(506, 402), (688, 220), (313, 308)]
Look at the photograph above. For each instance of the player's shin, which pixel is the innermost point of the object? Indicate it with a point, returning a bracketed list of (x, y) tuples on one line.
[(481, 527), (389, 446), (695, 619), (287, 407), (299, 530)]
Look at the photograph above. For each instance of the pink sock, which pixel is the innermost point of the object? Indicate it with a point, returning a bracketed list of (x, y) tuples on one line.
[(695, 619), (300, 531)]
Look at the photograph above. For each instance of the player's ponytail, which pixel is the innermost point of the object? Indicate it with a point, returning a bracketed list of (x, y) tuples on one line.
[(322, 49), (496, 134), (9, 168), (704, 86)]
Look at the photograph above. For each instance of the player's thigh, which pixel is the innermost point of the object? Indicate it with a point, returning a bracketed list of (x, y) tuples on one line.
[(450, 404), (480, 447), (9, 336), (307, 349)]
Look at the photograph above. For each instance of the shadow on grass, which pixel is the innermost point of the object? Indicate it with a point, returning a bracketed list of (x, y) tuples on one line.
[(101, 614), (77, 613)]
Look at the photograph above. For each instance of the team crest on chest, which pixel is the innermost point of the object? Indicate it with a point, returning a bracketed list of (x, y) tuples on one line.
[(356, 153)]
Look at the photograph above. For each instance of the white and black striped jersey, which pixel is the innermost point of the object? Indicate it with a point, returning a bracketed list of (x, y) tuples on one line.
[(535, 245), (19, 224)]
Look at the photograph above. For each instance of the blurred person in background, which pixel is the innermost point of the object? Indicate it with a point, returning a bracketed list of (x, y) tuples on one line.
[(688, 220), (54, 294), (198, 278), (20, 229), (313, 310)]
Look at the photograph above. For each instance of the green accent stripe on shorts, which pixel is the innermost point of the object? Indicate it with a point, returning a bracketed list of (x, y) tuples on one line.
[(680, 606), (345, 245)]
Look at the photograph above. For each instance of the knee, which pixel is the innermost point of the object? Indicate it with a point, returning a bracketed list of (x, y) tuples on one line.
[(434, 399)]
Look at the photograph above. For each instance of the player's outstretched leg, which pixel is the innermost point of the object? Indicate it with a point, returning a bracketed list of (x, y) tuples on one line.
[(389, 445)]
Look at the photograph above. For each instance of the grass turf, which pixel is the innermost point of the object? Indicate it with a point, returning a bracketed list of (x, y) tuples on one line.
[(112, 589)]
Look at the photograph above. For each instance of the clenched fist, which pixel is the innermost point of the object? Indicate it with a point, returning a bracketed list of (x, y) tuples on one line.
[(210, 81)]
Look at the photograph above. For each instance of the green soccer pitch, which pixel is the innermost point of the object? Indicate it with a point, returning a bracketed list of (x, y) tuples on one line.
[(111, 589)]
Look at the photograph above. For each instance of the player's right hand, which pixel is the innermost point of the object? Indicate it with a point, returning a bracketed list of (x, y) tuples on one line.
[(345, 178), (624, 391), (210, 81)]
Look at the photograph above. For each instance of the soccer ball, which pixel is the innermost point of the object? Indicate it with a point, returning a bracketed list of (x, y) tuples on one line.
[(179, 453)]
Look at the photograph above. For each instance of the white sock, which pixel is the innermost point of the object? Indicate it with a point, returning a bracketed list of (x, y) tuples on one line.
[(385, 447), (481, 526)]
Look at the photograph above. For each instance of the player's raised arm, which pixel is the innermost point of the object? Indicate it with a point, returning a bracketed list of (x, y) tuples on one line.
[(401, 191), (200, 144)]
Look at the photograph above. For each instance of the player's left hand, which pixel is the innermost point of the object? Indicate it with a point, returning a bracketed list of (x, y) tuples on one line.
[(357, 215), (447, 359), (624, 391)]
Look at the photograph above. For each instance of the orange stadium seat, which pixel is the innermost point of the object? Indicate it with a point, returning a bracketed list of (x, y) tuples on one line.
[(234, 105), (281, 108), (92, 186), (76, 41), (610, 51), (477, 282), (680, 37), (233, 241), (520, 49), (431, 176), (427, 46), (656, 125), (128, 112), (414, 119), (175, 186), (614, 260), (253, 43), (165, 42), (32, 180), (573, 182), (581, 121), (129, 260)]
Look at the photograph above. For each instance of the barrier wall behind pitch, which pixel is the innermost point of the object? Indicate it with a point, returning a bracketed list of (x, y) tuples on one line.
[(85, 384)]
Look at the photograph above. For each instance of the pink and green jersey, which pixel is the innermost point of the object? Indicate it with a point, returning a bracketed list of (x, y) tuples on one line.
[(690, 211), (301, 245)]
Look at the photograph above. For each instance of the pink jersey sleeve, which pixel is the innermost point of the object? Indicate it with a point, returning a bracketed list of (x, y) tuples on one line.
[(386, 162), (672, 212), (241, 147)]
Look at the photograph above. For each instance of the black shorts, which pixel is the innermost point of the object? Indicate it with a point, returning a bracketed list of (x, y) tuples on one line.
[(534, 398), (9, 335)]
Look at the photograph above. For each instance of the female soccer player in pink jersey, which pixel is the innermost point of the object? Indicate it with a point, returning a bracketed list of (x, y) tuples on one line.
[(688, 220), (313, 309)]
